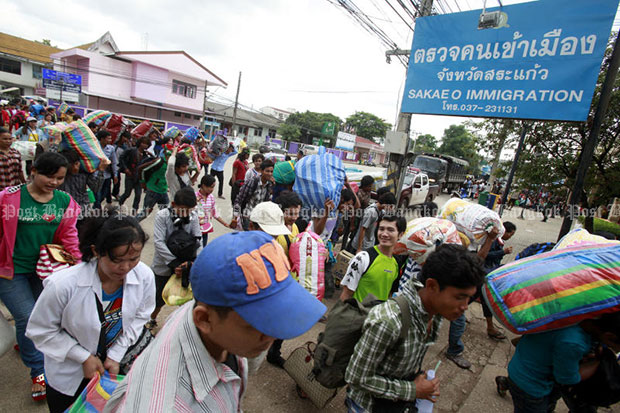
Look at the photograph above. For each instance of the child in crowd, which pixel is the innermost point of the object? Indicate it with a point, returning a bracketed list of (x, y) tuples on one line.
[(180, 215), (206, 207)]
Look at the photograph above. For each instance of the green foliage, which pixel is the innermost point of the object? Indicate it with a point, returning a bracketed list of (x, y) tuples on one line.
[(425, 143), (368, 126), (310, 124), (603, 225), (289, 132), (460, 142)]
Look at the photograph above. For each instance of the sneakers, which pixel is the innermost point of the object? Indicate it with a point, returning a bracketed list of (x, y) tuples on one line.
[(459, 360)]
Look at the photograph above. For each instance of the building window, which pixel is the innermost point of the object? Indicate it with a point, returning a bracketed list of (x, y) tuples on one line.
[(179, 114), (258, 132), (10, 66), (184, 89), (197, 117), (37, 71)]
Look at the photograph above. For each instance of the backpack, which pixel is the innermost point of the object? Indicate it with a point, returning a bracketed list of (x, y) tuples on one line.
[(535, 249), (336, 344), (307, 255)]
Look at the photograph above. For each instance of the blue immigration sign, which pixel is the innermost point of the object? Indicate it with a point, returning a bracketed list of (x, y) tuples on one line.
[(537, 60)]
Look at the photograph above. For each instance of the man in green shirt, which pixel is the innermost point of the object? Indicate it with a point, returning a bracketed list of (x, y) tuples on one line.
[(156, 187), (383, 368), (374, 270)]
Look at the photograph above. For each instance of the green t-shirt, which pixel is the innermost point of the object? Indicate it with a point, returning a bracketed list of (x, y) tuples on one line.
[(366, 277), (36, 225), (157, 180)]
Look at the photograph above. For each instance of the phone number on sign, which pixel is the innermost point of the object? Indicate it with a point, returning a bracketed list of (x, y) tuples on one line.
[(466, 107)]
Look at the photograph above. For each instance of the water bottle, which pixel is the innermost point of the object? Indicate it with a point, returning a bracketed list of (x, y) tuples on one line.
[(423, 405)]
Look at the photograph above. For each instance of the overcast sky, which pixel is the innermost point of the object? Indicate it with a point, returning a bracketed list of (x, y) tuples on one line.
[(301, 54)]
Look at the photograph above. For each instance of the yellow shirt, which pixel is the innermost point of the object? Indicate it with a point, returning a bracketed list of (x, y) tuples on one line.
[(282, 240), (242, 145)]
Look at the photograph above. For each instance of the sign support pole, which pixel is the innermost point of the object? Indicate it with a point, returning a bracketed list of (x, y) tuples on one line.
[(588, 150), (396, 165), (513, 169)]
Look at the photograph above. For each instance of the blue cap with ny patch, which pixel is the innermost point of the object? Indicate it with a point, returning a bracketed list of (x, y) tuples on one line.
[(249, 272)]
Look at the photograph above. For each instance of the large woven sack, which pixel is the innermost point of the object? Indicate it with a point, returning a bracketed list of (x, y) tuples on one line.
[(80, 138), (7, 335), (97, 116), (218, 145), (284, 172), (555, 289), (142, 129), (580, 236), (26, 149), (473, 220), (172, 132), (192, 133), (307, 254), (318, 177), (115, 124), (96, 393), (424, 235)]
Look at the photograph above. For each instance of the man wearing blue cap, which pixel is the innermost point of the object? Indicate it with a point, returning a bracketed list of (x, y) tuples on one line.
[(245, 298)]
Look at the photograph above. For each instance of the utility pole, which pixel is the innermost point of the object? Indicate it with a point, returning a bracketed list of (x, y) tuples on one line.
[(236, 104), (204, 110), (396, 165), (588, 150)]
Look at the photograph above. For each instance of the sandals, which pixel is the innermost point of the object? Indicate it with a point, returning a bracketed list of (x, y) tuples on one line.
[(496, 335), (39, 395), (151, 324)]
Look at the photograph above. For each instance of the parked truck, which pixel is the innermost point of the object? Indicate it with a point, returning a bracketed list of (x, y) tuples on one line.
[(446, 171), (417, 190)]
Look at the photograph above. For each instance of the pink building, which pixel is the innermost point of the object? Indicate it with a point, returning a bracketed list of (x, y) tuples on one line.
[(162, 86)]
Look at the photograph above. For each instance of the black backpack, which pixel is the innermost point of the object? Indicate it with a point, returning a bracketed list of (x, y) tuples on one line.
[(535, 249), (335, 345)]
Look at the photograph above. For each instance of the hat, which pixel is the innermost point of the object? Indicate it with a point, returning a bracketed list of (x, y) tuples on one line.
[(30, 119), (270, 218), (248, 271)]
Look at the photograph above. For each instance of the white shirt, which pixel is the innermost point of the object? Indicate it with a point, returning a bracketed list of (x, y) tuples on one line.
[(64, 324)]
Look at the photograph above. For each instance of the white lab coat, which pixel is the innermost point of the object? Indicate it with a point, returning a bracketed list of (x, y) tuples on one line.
[(64, 324)]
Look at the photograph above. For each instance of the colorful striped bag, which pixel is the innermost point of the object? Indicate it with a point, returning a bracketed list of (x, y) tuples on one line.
[(555, 289), (318, 177), (63, 108), (96, 394), (473, 220), (80, 138), (308, 254), (172, 132), (581, 236), (424, 235), (97, 116)]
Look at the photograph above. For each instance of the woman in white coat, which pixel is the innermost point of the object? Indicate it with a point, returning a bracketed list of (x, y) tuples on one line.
[(65, 322)]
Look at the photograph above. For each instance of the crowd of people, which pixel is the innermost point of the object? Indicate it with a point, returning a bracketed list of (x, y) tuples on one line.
[(97, 315)]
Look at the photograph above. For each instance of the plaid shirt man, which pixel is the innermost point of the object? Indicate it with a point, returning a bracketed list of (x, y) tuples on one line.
[(252, 193), (381, 365), (10, 168)]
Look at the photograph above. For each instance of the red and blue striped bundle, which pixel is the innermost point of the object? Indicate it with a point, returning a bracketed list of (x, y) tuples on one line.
[(555, 289), (80, 138), (97, 116)]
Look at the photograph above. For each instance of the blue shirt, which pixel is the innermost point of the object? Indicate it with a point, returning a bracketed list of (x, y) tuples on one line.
[(543, 359), (112, 310), (110, 152), (220, 161)]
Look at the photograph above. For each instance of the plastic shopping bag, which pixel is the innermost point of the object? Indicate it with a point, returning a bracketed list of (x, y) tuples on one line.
[(96, 394), (175, 294)]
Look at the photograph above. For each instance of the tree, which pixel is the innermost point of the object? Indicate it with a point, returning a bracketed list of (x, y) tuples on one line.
[(459, 142), (425, 143), (367, 125), (289, 132), (310, 125)]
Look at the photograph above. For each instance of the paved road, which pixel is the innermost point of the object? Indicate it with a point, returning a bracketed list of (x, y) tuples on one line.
[(272, 390)]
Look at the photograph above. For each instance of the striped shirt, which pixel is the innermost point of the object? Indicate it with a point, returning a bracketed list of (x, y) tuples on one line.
[(206, 211), (10, 168), (177, 373), (382, 365)]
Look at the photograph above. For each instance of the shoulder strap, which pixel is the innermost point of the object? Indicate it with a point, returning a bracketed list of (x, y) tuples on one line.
[(288, 242), (405, 315), (101, 346)]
